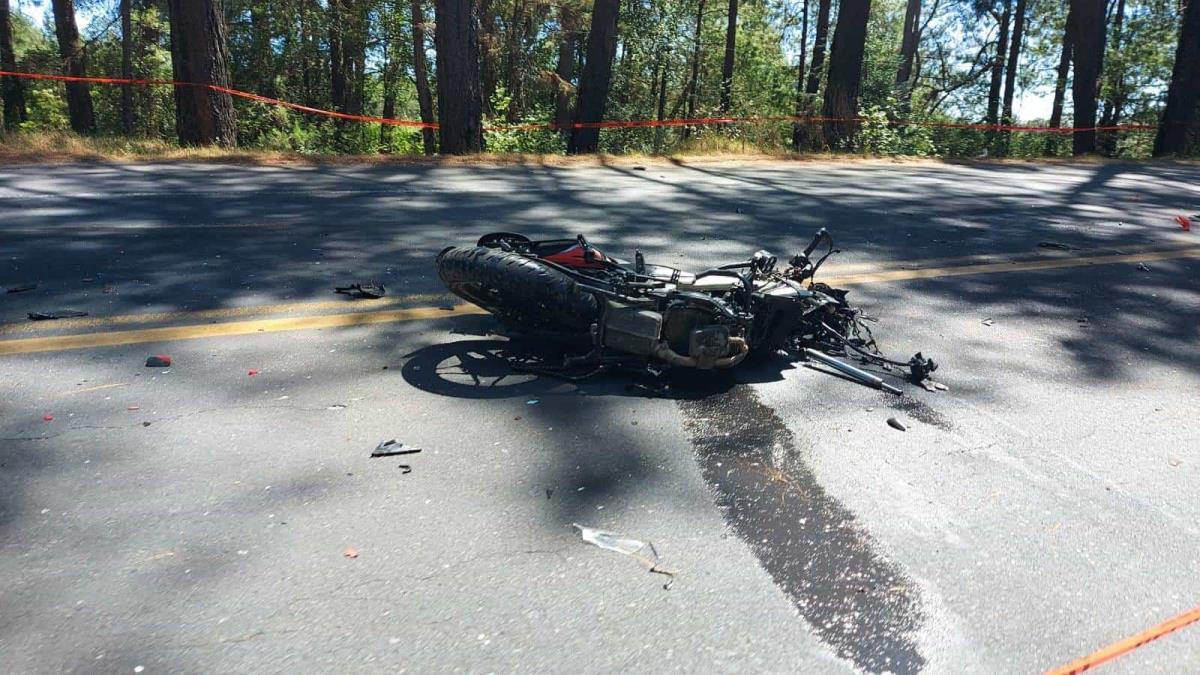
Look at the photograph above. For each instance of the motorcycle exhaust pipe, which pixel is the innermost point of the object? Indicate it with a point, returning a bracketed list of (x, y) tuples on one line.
[(664, 353), (856, 373)]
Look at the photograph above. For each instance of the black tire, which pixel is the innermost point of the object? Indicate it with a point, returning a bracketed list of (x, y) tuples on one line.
[(521, 292)]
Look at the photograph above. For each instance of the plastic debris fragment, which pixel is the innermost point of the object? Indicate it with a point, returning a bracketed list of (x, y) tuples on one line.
[(642, 551)]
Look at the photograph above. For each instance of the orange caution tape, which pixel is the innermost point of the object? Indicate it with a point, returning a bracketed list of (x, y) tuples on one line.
[(225, 90), (1128, 644), (554, 126)]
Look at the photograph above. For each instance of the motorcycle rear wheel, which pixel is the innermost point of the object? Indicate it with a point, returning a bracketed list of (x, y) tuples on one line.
[(523, 293)]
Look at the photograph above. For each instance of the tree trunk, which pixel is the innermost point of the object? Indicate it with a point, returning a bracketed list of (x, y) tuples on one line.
[(1114, 99), (694, 81), (262, 52), (1060, 84), (845, 71), (337, 57), (489, 70), (909, 44), (514, 61), (565, 70), (597, 74), (421, 74), (797, 127), (819, 41), (1010, 75), (993, 107), (200, 54), (127, 66), (70, 48), (460, 103), (1179, 122), (390, 71), (1090, 35), (12, 87), (661, 107), (730, 55)]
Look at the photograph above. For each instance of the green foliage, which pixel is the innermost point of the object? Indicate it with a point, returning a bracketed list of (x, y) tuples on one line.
[(282, 49)]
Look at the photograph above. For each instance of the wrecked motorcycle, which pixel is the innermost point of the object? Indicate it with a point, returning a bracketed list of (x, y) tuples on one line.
[(648, 316)]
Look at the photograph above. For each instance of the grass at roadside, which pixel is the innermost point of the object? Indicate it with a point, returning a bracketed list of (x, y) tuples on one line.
[(64, 147)]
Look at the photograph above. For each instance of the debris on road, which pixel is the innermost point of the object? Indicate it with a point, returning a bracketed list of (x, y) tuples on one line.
[(132, 408), (57, 314), (253, 372), (1185, 222), (405, 469), (372, 290), (896, 424), (1057, 246), (392, 448), (158, 361), (336, 406), (630, 547), (1174, 461), (987, 322), (47, 418), (532, 401), (21, 288), (861, 376), (1143, 267), (350, 553)]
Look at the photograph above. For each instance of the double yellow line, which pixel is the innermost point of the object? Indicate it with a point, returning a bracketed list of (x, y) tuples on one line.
[(346, 320)]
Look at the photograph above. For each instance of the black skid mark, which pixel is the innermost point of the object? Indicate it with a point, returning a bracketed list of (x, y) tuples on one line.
[(856, 600)]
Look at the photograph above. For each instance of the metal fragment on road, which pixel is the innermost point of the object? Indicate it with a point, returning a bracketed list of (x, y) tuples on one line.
[(392, 448), (56, 314), (987, 322), (1054, 245), (896, 424), (633, 548)]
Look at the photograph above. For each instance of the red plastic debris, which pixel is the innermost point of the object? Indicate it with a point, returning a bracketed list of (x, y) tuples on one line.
[(47, 418), (252, 372), (158, 361), (1184, 222)]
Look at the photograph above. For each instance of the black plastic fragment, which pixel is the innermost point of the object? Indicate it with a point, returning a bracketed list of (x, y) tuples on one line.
[(57, 314)]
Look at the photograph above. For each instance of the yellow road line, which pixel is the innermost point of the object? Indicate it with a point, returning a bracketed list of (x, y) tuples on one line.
[(189, 332), (842, 274), (212, 330), (222, 313), (1016, 266)]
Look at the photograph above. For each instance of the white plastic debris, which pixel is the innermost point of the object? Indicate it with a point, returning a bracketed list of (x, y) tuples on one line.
[(609, 541), (642, 551)]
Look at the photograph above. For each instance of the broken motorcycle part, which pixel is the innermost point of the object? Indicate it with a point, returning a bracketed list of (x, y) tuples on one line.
[(372, 290), (55, 315), (392, 448), (847, 369)]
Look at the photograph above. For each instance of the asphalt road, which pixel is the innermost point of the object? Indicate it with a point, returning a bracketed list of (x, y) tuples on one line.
[(198, 518)]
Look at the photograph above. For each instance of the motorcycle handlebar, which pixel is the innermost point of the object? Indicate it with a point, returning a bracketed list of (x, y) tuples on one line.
[(821, 234)]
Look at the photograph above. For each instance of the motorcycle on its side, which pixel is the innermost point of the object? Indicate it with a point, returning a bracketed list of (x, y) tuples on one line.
[(642, 315)]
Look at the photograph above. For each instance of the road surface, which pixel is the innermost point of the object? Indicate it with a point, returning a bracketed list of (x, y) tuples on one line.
[(204, 517)]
